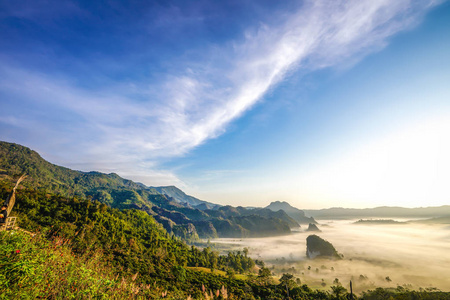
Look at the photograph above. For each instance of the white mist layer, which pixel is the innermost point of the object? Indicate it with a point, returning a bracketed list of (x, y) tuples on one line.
[(409, 254)]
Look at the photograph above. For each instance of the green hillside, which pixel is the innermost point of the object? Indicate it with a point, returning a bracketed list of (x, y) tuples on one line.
[(129, 241), (171, 207), (84, 249), (107, 188)]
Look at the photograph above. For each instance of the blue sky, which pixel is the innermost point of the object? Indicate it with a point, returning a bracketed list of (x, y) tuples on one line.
[(318, 103)]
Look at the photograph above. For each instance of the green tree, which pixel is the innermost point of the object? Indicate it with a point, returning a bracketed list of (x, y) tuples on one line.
[(179, 273), (264, 276), (287, 280), (338, 291)]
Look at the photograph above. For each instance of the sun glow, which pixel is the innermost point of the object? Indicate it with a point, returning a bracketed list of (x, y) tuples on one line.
[(409, 167)]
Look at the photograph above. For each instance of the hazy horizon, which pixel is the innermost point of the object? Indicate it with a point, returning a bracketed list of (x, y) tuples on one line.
[(298, 207)]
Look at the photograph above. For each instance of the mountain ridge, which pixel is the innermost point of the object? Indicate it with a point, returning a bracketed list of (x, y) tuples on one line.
[(293, 212), (111, 189), (381, 212)]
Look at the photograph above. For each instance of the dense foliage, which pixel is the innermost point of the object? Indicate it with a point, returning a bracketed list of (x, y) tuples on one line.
[(107, 253), (136, 241), (130, 241), (35, 268)]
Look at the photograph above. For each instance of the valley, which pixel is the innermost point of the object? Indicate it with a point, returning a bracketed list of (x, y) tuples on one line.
[(411, 255), (161, 233)]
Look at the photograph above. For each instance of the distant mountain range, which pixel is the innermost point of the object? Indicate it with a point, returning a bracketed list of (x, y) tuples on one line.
[(380, 212), (180, 214), (179, 196)]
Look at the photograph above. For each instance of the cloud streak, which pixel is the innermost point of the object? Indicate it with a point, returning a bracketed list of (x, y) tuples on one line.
[(140, 123), (317, 36)]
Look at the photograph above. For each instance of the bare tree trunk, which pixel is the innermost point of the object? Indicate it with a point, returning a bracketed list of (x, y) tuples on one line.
[(351, 290), (12, 197)]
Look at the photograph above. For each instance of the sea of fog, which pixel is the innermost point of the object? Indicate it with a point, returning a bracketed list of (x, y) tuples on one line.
[(407, 254)]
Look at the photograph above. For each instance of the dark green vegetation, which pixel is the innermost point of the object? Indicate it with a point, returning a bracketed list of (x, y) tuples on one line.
[(402, 293), (318, 247), (183, 215), (129, 241)]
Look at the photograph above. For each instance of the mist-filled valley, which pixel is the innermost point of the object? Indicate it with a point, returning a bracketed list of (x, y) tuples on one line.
[(158, 242), (407, 254)]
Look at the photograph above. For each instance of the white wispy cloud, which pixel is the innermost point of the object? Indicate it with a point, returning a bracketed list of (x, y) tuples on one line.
[(198, 102), (320, 34)]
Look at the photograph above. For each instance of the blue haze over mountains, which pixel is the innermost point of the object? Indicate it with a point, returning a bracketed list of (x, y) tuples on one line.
[(180, 214), (183, 215)]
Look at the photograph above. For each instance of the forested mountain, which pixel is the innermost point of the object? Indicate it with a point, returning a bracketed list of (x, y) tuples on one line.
[(107, 188), (170, 206), (129, 241)]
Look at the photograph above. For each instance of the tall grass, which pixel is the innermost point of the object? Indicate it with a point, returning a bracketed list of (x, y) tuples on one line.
[(32, 267)]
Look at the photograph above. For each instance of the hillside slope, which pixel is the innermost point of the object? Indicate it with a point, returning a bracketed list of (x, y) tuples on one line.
[(107, 188), (170, 206)]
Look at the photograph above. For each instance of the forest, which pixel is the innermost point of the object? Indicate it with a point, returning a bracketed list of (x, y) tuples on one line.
[(73, 248)]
